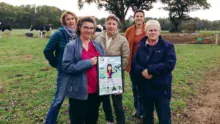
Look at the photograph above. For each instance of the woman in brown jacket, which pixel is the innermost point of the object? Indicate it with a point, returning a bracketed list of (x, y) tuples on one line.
[(114, 45), (134, 34)]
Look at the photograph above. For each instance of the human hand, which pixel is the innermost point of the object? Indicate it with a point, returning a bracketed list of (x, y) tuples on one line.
[(146, 75), (94, 60), (149, 76), (118, 93)]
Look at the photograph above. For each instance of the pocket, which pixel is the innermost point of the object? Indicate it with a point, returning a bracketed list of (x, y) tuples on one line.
[(158, 56), (73, 84)]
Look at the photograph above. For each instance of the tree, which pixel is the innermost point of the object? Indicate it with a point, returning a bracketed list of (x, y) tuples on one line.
[(141, 4), (179, 9), (120, 7), (26, 15)]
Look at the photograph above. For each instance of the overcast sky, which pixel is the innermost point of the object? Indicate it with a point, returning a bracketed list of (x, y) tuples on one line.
[(91, 10)]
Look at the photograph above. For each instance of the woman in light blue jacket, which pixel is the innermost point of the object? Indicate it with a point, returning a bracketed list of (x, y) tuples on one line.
[(80, 68)]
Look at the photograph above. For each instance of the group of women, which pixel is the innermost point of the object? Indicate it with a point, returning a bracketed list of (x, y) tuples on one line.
[(145, 55)]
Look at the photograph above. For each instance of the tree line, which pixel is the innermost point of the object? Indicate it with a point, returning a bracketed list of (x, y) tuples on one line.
[(26, 15)]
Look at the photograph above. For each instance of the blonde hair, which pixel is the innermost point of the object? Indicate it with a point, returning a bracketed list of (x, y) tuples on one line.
[(64, 14), (152, 22)]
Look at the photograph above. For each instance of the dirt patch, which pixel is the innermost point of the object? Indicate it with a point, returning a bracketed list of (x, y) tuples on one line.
[(208, 111), (45, 69), (26, 57), (189, 39), (204, 109)]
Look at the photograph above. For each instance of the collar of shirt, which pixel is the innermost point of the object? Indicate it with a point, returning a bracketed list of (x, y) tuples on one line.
[(153, 44)]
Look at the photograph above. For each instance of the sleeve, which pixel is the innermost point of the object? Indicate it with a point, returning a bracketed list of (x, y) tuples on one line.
[(125, 53), (70, 65), (50, 49), (136, 66), (126, 33), (164, 67), (97, 39)]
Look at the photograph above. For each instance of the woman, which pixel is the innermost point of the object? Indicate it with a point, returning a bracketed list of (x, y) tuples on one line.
[(134, 34), (109, 75), (109, 71), (53, 52), (80, 68), (114, 45), (154, 62)]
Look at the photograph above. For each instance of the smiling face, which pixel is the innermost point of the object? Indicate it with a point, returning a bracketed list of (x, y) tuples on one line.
[(111, 26), (153, 31), (87, 30), (70, 21), (109, 68), (139, 18)]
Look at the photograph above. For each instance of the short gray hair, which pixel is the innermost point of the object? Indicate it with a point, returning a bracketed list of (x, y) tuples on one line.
[(152, 22)]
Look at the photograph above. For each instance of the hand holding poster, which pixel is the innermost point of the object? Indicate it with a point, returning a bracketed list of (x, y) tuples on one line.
[(110, 75)]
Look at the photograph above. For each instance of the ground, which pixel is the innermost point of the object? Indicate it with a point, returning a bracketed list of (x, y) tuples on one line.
[(186, 38), (189, 38), (205, 108), (27, 82)]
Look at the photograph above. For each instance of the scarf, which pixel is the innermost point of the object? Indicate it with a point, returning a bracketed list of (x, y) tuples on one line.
[(70, 32)]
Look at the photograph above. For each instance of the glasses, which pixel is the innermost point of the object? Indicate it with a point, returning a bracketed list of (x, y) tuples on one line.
[(88, 28)]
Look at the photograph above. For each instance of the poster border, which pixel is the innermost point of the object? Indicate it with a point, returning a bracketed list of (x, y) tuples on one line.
[(122, 74)]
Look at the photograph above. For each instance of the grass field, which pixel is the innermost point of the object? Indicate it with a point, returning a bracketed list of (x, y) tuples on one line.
[(28, 82)]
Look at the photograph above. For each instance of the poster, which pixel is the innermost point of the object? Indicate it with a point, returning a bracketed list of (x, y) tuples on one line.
[(110, 75)]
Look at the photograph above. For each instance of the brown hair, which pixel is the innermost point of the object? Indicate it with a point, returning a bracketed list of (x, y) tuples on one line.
[(113, 17), (82, 20), (64, 14), (138, 10)]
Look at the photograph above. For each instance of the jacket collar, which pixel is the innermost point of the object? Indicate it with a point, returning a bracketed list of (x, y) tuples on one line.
[(94, 43), (113, 36), (143, 41)]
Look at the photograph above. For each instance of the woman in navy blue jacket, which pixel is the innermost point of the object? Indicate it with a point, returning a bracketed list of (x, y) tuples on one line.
[(53, 52), (154, 62)]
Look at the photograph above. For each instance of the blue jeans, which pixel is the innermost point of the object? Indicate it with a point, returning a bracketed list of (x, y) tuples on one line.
[(57, 102), (137, 97), (162, 106)]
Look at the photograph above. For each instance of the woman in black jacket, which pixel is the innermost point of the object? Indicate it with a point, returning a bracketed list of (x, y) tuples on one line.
[(153, 63)]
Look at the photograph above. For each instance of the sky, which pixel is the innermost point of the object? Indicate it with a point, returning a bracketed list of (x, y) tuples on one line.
[(91, 9)]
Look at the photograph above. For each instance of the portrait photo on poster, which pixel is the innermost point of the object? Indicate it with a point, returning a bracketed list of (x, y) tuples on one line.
[(110, 77)]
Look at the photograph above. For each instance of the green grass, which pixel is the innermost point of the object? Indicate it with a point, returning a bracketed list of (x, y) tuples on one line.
[(29, 82)]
